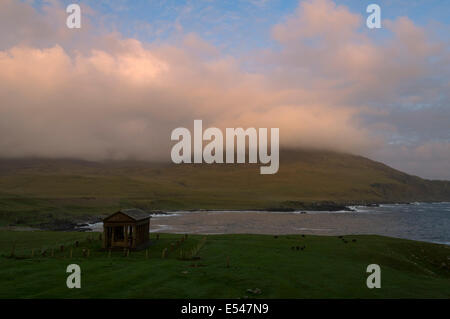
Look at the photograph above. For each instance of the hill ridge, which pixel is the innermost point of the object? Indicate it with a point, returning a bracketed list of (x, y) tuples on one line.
[(306, 180)]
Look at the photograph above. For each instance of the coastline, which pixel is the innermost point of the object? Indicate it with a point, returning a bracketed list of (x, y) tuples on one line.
[(417, 221), (82, 224)]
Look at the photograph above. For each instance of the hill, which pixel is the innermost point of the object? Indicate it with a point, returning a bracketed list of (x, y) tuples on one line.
[(34, 190)]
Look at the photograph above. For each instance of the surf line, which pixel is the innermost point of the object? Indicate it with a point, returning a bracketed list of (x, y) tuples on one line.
[(213, 151)]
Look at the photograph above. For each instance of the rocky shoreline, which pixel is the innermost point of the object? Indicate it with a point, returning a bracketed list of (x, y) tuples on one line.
[(66, 224)]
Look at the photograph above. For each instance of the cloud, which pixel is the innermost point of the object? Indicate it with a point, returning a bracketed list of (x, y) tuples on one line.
[(329, 86), (430, 157), (124, 104), (320, 18), (22, 24)]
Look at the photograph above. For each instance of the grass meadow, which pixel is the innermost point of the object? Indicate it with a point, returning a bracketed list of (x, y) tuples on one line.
[(32, 265)]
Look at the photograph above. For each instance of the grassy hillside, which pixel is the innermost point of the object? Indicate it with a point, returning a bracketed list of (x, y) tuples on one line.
[(323, 267), (32, 190)]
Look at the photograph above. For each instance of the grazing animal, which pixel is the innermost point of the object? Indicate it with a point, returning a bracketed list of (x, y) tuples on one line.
[(297, 248), (353, 240)]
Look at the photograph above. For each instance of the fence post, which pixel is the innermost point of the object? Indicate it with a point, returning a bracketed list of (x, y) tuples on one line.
[(13, 251)]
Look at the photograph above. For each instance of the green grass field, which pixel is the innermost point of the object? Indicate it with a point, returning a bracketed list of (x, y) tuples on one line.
[(326, 268)]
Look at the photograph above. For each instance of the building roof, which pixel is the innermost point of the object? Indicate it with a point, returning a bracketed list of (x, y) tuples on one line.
[(135, 213)]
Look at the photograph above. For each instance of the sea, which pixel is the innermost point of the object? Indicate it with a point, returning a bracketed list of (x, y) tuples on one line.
[(428, 222)]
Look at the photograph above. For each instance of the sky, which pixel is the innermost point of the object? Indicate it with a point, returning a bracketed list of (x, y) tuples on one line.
[(137, 69)]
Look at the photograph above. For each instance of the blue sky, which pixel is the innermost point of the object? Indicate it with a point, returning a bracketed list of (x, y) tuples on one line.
[(240, 25)]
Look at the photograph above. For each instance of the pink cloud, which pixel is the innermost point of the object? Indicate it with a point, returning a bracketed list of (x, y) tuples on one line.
[(116, 97)]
